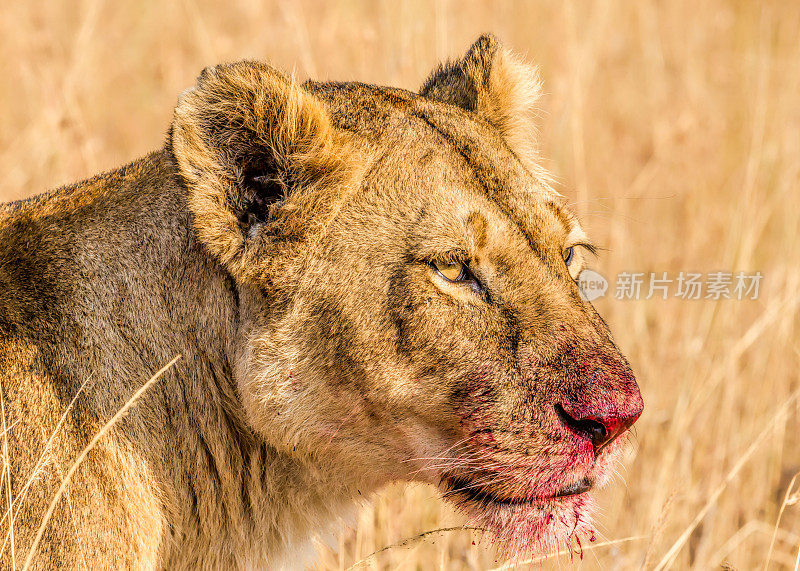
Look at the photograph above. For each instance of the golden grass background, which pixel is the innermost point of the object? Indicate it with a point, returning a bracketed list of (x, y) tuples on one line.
[(674, 129)]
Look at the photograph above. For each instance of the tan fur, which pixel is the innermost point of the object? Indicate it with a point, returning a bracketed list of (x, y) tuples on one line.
[(501, 87), (287, 124), (284, 243)]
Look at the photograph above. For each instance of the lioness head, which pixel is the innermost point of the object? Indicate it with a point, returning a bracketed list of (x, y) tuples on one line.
[(407, 290)]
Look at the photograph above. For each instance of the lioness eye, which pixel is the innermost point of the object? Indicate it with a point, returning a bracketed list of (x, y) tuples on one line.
[(568, 255), (453, 272)]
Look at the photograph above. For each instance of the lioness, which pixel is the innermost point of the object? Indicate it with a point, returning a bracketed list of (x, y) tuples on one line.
[(364, 285)]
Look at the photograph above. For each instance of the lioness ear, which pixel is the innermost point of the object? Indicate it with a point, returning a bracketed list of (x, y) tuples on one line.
[(494, 83), (247, 139)]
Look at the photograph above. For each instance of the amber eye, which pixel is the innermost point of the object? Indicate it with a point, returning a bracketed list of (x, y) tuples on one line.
[(569, 253), (453, 272)]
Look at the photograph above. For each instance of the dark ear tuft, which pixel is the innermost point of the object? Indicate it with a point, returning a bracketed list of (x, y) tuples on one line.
[(247, 139), (262, 189), (494, 83)]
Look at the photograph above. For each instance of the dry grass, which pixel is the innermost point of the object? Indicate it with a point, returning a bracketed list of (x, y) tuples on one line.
[(675, 129)]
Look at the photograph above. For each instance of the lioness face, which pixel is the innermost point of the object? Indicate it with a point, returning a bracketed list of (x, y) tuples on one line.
[(416, 316)]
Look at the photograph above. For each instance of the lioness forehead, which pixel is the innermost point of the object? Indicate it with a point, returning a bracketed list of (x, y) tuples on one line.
[(456, 149)]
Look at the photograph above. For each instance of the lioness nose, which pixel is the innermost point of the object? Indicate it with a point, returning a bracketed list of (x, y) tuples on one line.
[(598, 429)]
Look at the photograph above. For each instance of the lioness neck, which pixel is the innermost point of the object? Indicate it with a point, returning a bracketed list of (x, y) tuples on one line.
[(209, 491)]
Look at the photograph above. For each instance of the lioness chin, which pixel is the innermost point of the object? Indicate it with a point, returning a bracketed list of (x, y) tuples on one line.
[(364, 285)]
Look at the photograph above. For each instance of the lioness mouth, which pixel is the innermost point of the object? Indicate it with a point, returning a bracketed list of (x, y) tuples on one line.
[(575, 488), (473, 494)]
